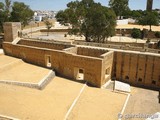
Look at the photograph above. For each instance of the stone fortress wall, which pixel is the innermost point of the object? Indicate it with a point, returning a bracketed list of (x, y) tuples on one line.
[(137, 69), (98, 65), (64, 63)]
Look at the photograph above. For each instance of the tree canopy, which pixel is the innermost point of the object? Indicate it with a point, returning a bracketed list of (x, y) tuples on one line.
[(149, 18), (21, 13), (120, 7), (4, 13), (48, 25), (16, 12), (90, 19)]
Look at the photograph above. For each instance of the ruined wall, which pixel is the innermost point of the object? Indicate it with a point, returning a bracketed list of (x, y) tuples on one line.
[(62, 62), (138, 69), (43, 44)]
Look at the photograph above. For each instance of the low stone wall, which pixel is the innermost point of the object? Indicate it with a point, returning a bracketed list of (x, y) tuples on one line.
[(24, 84), (42, 84), (126, 43), (3, 117), (122, 47), (47, 41), (55, 30), (42, 44)]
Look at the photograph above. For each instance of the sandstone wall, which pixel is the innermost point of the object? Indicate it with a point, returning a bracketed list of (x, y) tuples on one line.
[(64, 63), (138, 69), (115, 46), (11, 31), (107, 66)]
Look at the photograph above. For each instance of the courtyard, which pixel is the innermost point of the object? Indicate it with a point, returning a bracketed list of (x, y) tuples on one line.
[(142, 101), (53, 102)]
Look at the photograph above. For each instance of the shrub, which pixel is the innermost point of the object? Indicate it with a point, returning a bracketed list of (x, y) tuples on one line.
[(148, 41), (157, 34), (136, 33), (65, 35)]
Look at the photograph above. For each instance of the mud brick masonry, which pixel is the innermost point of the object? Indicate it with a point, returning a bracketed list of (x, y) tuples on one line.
[(97, 65)]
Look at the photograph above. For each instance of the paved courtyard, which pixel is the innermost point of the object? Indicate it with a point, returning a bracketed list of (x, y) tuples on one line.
[(142, 101), (60, 35)]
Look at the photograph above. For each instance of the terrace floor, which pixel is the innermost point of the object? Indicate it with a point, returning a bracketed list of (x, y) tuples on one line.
[(54, 101), (13, 69)]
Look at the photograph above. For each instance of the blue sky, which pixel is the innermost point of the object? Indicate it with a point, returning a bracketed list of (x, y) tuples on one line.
[(61, 4)]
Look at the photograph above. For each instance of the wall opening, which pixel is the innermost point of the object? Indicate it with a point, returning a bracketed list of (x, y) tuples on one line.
[(48, 61), (79, 74), (126, 78), (140, 80), (153, 82), (107, 72)]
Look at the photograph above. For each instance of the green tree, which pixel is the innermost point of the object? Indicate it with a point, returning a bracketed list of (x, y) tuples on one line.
[(21, 13), (2, 16), (4, 13), (7, 8), (149, 18), (135, 14), (90, 19), (120, 7), (157, 34), (48, 26), (136, 33)]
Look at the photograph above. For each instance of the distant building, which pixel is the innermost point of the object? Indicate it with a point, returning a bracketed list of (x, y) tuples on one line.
[(39, 15), (38, 18)]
